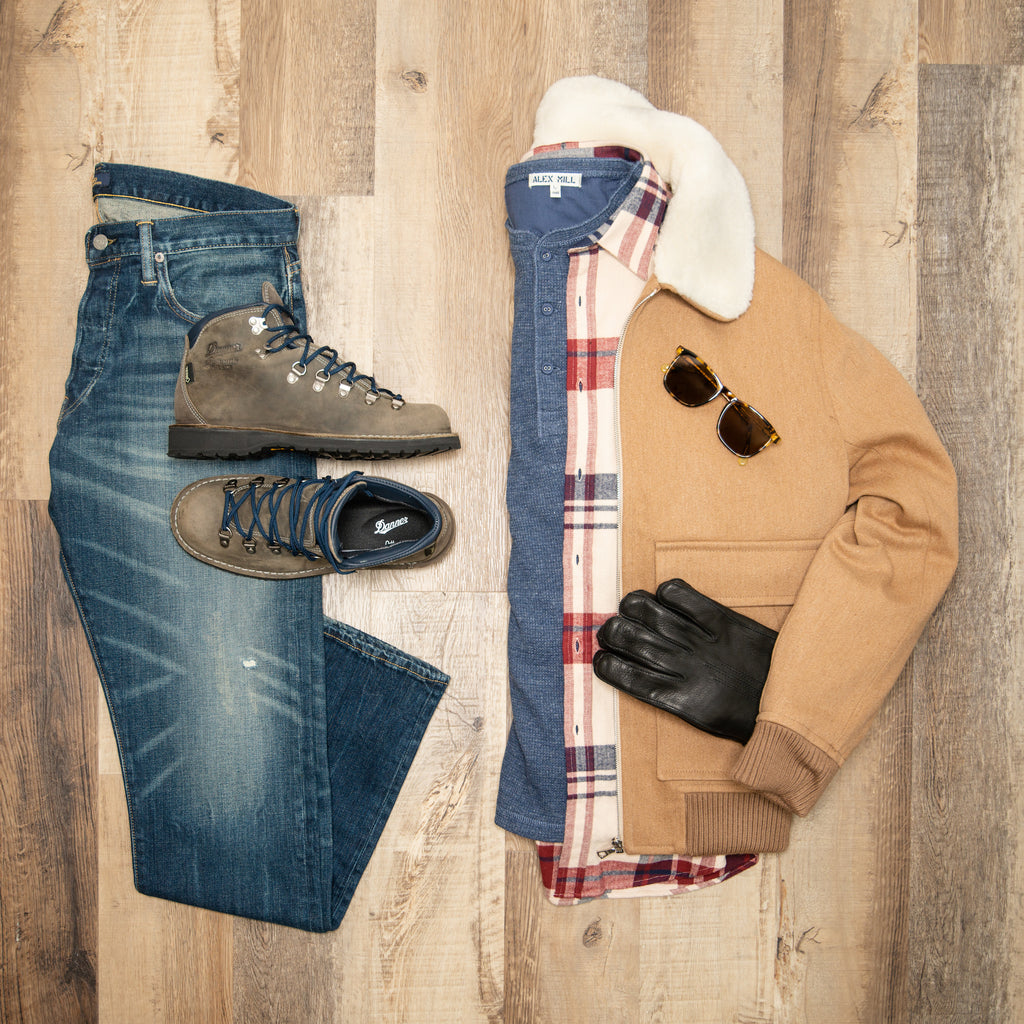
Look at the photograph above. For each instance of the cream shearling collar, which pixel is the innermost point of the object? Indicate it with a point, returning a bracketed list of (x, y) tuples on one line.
[(705, 248)]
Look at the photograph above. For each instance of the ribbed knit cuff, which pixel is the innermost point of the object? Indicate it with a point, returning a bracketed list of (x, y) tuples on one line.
[(784, 766)]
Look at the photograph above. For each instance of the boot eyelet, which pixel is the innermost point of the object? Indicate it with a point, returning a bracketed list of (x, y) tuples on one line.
[(274, 549), (230, 486), (397, 403), (298, 370), (372, 396), (344, 388), (250, 546), (225, 538), (258, 324), (320, 379)]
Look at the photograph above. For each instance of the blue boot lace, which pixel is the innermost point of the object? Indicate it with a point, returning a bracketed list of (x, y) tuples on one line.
[(255, 515), (287, 335)]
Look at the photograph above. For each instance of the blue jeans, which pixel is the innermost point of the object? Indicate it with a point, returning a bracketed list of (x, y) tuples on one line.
[(262, 746)]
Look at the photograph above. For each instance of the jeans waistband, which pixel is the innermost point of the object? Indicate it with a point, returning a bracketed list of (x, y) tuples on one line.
[(187, 212)]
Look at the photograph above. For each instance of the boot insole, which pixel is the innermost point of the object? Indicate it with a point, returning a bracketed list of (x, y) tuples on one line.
[(369, 523)]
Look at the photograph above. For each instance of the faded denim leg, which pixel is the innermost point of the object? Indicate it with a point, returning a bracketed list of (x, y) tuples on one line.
[(262, 746)]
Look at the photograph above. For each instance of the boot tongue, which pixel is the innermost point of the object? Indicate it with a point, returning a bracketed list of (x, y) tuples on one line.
[(272, 298), (270, 294)]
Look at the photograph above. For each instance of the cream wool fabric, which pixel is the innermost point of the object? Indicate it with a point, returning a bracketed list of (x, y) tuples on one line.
[(843, 536)]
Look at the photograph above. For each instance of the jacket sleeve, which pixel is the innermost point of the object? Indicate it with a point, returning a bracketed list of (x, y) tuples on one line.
[(871, 586)]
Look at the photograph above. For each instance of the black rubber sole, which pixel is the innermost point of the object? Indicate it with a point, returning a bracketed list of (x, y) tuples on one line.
[(199, 442)]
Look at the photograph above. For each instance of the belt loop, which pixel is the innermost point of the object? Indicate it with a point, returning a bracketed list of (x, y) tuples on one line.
[(146, 248)]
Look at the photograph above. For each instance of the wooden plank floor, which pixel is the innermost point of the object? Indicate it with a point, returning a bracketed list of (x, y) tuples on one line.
[(883, 143)]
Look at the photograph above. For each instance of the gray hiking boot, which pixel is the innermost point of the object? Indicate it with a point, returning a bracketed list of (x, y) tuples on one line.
[(286, 529), (251, 383)]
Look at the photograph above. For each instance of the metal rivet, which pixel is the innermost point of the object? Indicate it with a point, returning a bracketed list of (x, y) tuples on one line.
[(158, 256)]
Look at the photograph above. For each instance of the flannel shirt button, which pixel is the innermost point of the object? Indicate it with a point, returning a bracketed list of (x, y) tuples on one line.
[(547, 309)]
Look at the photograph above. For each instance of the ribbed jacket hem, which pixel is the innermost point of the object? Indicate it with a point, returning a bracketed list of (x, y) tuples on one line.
[(785, 767), (720, 823), (735, 823)]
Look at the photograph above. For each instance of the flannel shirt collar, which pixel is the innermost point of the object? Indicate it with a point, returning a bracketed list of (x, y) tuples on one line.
[(631, 232)]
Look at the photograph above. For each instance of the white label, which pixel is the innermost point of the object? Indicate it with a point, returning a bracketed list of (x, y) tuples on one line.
[(556, 181)]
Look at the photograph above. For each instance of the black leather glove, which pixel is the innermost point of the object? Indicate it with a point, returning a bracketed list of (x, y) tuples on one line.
[(685, 653)]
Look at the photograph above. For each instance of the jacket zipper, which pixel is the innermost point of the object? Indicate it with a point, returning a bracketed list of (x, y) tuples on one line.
[(617, 841)]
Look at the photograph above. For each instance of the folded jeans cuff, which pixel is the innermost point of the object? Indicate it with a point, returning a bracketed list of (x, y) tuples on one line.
[(785, 766)]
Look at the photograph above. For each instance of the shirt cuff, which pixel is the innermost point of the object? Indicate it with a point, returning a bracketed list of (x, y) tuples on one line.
[(785, 767)]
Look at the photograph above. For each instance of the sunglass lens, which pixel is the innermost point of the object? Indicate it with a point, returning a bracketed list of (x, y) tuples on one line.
[(744, 431), (687, 382)]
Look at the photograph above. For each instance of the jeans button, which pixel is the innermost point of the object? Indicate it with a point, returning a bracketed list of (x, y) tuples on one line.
[(100, 242)]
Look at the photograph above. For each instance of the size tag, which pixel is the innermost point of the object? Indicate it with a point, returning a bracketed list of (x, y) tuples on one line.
[(556, 181)]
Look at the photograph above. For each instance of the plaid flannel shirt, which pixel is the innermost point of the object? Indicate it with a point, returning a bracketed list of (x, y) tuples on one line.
[(605, 279)]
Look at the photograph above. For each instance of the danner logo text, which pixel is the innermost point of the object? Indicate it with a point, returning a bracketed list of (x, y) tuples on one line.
[(383, 526)]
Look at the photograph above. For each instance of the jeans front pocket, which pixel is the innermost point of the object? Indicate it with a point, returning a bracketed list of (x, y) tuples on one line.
[(197, 281), (92, 338)]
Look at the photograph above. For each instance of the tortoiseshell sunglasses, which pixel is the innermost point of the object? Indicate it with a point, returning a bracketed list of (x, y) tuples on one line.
[(741, 428)]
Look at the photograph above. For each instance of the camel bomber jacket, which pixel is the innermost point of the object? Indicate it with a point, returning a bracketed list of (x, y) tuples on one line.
[(843, 536)]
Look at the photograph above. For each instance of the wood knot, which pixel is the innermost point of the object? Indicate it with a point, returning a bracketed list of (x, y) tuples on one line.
[(416, 80), (593, 934)]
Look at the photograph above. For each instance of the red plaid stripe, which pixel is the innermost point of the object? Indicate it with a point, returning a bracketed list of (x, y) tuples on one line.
[(579, 637)]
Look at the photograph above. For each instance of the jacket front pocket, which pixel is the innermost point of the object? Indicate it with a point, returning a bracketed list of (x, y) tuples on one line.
[(760, 579)]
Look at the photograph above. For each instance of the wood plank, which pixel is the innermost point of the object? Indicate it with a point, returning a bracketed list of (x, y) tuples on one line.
[(47, 784), (11, 91), (281, 975), (422, 940), (726, 935), (850, 186), (966, 911), (166, 106), (971, 32), (151, 105), (524, 956), (158, 961), (849, 159), (306, 91), (591, 959), (550, 973), (850, 137), (49, 146), (684, 42)]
